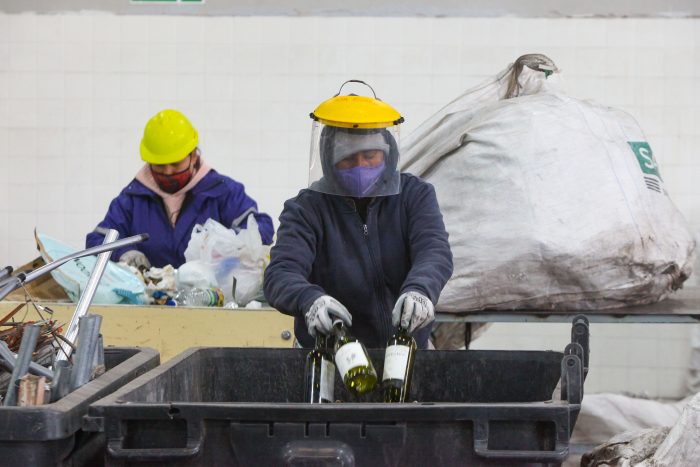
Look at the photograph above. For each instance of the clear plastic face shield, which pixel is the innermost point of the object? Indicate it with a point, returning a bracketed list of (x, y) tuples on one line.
[(354, 162)]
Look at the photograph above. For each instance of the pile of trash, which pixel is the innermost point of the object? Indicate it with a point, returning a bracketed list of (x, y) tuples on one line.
[(223, 268)]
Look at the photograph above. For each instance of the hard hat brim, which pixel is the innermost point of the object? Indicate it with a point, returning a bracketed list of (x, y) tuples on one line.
[(172, 158)]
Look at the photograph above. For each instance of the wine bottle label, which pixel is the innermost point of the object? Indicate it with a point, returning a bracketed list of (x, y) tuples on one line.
[(349, 356), (395, 361), (327, 380)]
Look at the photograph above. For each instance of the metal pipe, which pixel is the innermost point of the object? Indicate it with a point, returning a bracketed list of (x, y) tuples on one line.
[(25, 278), (8, 286), (61, 381), (106, 246), (88, 337), (24, 357), (11, 359), (5, 272), (98, 359), (85, 300)]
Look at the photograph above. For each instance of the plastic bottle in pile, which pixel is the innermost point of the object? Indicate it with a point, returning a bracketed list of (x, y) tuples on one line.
[(200, 297)]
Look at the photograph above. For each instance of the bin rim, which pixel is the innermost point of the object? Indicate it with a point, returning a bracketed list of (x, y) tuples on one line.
[(116, 397), (62, 411)]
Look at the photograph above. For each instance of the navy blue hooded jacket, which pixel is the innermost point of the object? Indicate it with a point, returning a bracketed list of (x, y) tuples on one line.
[(324, 248), (138, 209)]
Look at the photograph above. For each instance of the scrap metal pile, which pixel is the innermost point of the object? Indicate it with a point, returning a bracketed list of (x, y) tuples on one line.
[(28, 348), (75, 357)]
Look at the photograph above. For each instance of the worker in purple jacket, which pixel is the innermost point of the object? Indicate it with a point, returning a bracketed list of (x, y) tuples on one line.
[(171, 193), (364, 243)]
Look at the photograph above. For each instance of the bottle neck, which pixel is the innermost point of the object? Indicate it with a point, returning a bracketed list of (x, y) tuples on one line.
[(321, 341), (338, 328)]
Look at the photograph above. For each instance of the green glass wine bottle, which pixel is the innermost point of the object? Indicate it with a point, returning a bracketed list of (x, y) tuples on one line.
[(320, 372), (398, 366), (353, 362)]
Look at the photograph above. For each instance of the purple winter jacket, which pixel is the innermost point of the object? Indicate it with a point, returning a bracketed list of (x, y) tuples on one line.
[(138, 209)]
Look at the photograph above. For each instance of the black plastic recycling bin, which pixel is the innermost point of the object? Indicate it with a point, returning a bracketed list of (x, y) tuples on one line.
[(51, 434), (243, 407)]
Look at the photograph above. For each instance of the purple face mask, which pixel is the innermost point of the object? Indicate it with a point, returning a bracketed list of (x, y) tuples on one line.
[(359, 181)]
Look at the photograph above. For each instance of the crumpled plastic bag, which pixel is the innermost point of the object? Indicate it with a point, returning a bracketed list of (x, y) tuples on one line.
[(230, 255), (117, 286), (196, 274)]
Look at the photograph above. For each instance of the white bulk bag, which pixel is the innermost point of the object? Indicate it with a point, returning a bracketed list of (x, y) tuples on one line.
[(551, 202)]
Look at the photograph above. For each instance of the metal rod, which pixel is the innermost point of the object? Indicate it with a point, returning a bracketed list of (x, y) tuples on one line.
[(11, 359), (597, 316), (85, 300), (88, 337), (26, 349), (5, 272), (25, 278), (8, 286), (106, 246)]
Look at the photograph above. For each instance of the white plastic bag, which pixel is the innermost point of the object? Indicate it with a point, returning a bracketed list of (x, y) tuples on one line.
[(228, 254), (196, 274), (551, 202)]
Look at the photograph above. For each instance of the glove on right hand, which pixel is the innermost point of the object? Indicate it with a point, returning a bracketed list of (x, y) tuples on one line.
[(324, 310), (136, 259)]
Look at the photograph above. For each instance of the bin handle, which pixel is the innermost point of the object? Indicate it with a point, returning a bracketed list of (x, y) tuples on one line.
[(481, 435), (115, 450), (313, 451), (195, 438)]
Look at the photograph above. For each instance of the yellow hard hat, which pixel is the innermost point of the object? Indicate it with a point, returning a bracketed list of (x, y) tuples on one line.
[(168, 138), (356, 111)]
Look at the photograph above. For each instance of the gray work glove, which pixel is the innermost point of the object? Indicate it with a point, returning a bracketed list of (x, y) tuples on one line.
[(136, 259), (323, 312), (414, 310)]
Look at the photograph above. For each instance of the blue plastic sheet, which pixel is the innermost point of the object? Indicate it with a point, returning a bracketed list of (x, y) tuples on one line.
[(117, 286)]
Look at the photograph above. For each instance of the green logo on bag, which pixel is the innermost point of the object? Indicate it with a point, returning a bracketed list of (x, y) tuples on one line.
[(645, 157)]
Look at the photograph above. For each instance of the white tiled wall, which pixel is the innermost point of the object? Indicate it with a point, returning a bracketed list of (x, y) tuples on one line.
[(77, 89), (643, 359)]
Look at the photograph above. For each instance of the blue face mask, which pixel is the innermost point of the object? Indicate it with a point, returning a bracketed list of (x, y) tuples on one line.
[(359, 181)]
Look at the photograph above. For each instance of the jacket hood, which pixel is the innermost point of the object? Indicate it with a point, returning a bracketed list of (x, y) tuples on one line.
[(329, 183)]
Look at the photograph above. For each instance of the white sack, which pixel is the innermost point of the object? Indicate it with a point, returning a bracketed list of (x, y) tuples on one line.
[(604, 416), (660, 446), (626, 449), (682, 445), (550, 201)]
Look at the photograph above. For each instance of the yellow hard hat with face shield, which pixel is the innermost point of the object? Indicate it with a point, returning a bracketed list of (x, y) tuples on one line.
[(354, 146), (168, 138)]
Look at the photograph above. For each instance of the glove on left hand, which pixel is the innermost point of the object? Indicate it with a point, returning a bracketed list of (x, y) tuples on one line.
[(136, 259), (414, 310)]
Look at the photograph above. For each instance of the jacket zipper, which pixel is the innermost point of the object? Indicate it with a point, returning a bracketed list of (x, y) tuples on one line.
[(377, 279)]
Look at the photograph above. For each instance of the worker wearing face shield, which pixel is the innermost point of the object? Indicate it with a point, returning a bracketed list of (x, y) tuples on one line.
[(363, 243), (171, 193)]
